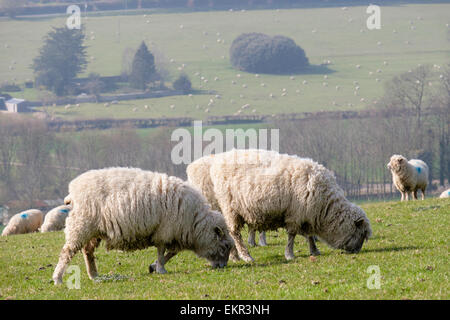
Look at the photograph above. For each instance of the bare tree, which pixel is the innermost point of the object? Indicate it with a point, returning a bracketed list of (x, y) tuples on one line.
[(409, 90)]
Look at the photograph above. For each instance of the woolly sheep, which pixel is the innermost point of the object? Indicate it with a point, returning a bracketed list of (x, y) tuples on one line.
[(445, 194), (55, 219), (267, 190), (24, 222), (408, 176), (132, 209), (199, 176)]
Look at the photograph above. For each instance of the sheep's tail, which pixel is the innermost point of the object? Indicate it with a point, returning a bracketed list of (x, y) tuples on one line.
[(67, 200)]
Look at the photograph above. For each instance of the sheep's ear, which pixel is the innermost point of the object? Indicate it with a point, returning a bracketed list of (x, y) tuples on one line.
[(219, 232), (359, 222)]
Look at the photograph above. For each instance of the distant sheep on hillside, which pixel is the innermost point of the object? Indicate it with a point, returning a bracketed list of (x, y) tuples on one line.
[(408, 176)]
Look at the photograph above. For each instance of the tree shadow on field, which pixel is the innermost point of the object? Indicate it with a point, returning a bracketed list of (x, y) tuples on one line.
[(308, 70), (315, 69)]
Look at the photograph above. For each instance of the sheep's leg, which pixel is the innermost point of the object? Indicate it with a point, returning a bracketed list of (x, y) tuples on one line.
[(403, 196), (66, 255), (312, 246), (240, 247), (89, 258), (234, 255), (406, 196), (251, 237), (289, 250), (423, 193), (415, 194), (262, 239), (78, 234), (158, 265)]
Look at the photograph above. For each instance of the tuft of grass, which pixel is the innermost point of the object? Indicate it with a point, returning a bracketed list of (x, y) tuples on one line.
[(410, 246)]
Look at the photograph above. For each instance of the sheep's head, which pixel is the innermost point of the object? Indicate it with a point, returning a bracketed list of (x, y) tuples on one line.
[(214, 242), (359, 233), (397, 163), (350, 230)]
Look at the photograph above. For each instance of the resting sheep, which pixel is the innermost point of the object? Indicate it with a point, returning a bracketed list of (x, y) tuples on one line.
[(445, 194), (132, 209), (268, 190), (55, 219), (408, 176), (198, 175), (24, 222)]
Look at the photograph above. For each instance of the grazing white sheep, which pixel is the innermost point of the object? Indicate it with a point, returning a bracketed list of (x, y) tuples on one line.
[(198, 176), (408, 176), (445, 194), (24, 222), (55, 219), (132, 209), (267, 190)]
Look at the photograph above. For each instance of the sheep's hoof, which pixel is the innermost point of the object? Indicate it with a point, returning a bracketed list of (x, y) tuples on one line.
[(248, 258), (289, 257), (153, 268), (57, 281), (315, 253)]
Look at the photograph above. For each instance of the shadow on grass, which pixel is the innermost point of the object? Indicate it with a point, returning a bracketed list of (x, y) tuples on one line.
[(315, 69), (391, 249), (308, 70)]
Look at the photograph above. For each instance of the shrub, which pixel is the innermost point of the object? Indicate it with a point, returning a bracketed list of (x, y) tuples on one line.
[(10, 87), (182, 83), (257, 52)]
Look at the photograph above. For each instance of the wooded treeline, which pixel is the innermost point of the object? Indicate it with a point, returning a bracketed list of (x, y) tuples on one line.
[(36, 163)]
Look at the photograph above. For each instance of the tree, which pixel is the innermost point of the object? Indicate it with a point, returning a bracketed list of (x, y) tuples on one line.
[(94, 85), (257, 52), (409, 90), (60, 59), (182, 83), (143, 68)]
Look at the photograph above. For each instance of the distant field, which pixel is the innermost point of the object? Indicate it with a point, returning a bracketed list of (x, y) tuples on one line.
[(409, 245), (195, 39)]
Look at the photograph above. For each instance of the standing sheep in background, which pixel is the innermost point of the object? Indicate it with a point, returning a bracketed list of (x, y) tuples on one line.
[(445, 194), (267, 190), (55, 219), (199, 176), (408, 176), (133, 209), (24, 222)]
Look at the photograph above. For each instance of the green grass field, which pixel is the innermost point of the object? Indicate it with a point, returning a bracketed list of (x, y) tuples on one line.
[(410, 246), (324, 33)]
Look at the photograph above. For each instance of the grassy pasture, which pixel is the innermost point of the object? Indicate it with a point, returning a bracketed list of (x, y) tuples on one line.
[(409, 245), (201, 42)]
